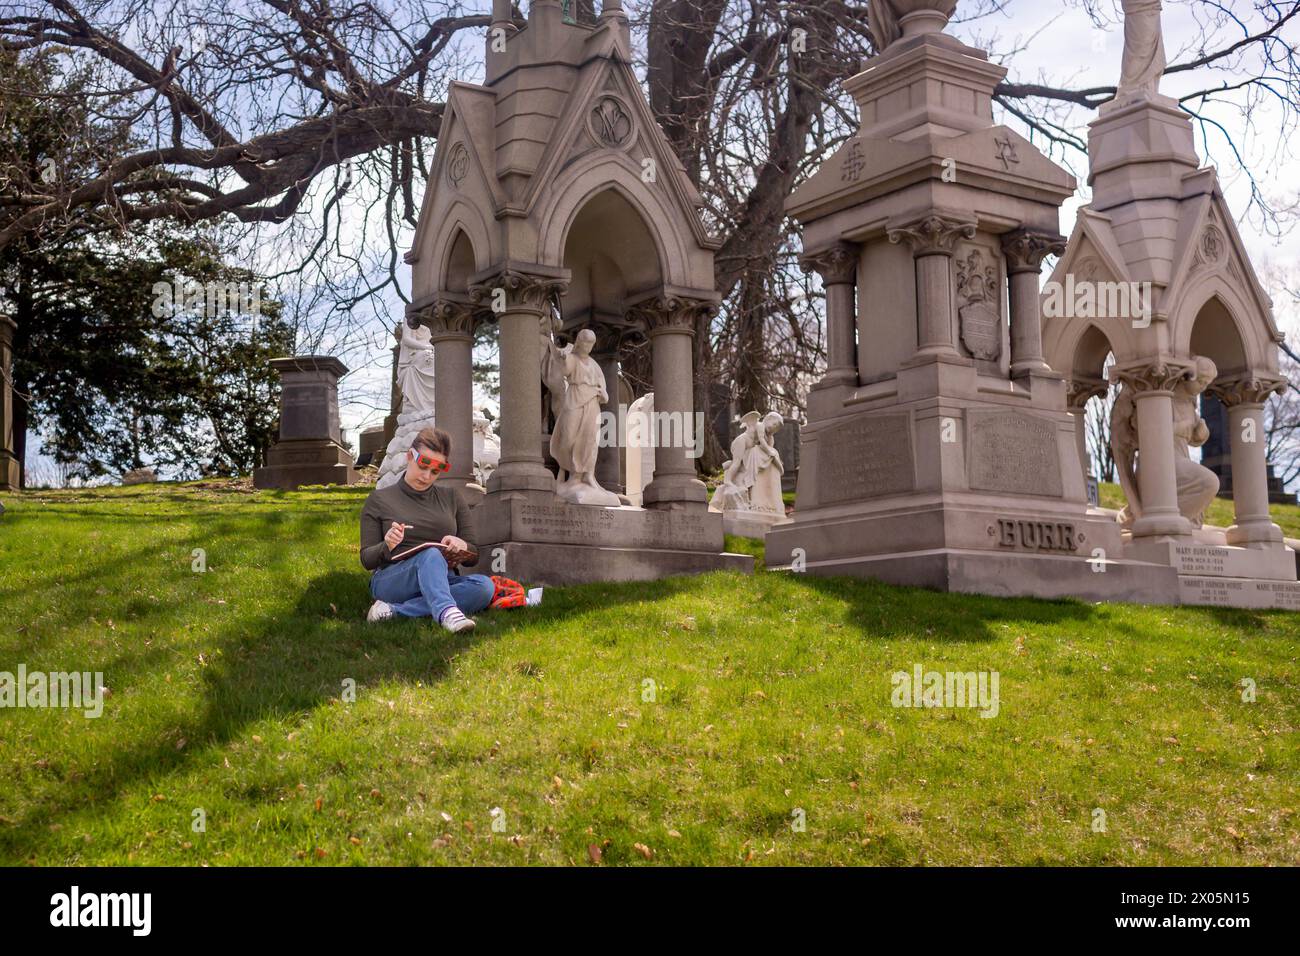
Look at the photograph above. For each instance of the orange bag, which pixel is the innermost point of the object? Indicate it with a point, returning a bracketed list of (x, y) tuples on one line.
[(507, 593)]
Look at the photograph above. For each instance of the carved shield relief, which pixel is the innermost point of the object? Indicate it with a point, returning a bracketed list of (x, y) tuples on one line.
[(978, 304)]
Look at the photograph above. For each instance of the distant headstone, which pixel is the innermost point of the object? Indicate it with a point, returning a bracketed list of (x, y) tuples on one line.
[(372, 443), (786, 442), (310, 448), (139, 476)]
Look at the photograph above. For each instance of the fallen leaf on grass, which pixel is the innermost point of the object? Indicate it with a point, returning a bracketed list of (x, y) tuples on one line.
[(593, 853), (644, 850)]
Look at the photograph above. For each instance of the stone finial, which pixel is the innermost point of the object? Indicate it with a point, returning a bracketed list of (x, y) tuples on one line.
[(932, 235), (836, 264), (891, 20)]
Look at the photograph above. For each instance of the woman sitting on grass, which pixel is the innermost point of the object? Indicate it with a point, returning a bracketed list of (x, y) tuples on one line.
[(416, 511)]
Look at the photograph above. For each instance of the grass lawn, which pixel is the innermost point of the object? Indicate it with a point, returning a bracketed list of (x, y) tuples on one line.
[(684, 721)]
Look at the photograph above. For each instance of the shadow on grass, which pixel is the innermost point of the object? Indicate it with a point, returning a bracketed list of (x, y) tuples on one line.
[(878, 610), (289, 664)]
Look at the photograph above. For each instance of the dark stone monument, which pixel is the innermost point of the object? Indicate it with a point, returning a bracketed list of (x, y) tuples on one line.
[(372, 443), (310, 448), (786, 444), (1216, 454), (10, 467)]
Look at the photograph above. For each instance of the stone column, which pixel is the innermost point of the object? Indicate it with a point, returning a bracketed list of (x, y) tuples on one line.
[(1244, 399), (526, 305), (608, 473), (10, 467), (1077, 393), (451, 330), (1152, 386), (838, 267), (932, 239), (670, 323), (1025, 251)]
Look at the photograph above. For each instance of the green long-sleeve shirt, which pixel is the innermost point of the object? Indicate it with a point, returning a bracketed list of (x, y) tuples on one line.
[(434, 513)]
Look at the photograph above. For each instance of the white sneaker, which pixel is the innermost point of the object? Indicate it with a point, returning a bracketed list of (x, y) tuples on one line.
[(379, 611), (534, 597), (453, 620)]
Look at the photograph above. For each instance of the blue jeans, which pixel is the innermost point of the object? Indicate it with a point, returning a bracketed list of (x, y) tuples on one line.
[(423, 586)]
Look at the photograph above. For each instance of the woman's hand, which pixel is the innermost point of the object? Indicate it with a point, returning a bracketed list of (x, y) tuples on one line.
[(395, 535), (457, 550)]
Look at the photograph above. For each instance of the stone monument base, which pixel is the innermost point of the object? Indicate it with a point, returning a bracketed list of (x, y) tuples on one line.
[(998, 551), (10, 471), (305, 461), (751, 524), (1044, 555), (539, 539), (1212, 572)]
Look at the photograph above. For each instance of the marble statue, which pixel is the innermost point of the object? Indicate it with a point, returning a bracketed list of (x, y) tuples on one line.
[(415, 381), (1144, 50), (1196, 484), (487, 449), (749, 495), (639, 446), (575, 439), (415, 367)]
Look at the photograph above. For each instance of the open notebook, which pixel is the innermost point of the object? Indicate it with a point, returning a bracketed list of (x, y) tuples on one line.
[(453, 557)]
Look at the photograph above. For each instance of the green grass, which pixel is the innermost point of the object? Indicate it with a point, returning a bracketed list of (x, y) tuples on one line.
[(771, 694), (1286, 517)]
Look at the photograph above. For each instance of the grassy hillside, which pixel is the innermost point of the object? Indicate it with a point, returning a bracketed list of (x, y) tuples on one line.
[(683, 721)]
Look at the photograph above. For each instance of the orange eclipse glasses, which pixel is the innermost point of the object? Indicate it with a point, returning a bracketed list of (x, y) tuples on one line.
[(429, 463)]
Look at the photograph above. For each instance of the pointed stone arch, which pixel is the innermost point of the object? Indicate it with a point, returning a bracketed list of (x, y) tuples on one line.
[(1212, 313), (610, 232), (593, 175)]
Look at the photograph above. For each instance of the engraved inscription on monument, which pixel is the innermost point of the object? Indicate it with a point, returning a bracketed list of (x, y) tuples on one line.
[(865, 458), (1201, 559), (1012, 452), (613, 527)]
